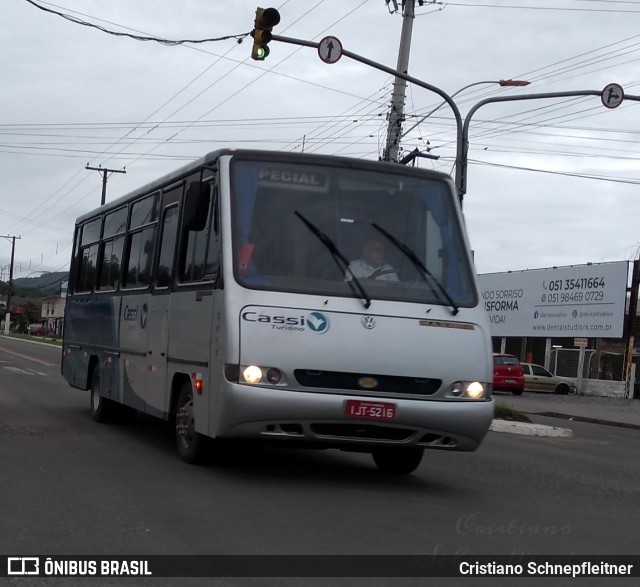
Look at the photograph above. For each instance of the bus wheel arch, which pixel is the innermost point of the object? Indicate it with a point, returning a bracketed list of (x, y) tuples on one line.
[(178, 381), (91, 368)]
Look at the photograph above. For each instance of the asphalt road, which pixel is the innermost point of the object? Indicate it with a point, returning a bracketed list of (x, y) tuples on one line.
[(71, 486)]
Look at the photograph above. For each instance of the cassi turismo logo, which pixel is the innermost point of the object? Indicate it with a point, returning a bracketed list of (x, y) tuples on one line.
[(318, 322), (315, 322)]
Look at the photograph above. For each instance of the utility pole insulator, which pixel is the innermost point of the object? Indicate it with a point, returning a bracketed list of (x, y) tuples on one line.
[(104, 171)]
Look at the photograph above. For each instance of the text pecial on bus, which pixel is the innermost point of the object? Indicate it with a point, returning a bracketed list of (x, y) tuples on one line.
[(232, 298)]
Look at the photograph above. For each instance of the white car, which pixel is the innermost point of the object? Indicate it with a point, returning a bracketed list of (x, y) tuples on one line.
[(537, 378)]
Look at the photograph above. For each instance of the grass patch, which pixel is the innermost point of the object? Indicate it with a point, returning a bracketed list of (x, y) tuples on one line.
[(41, 339), (507, 413)]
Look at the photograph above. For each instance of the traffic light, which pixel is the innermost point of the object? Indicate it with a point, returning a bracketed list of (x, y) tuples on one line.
[(266, 19)]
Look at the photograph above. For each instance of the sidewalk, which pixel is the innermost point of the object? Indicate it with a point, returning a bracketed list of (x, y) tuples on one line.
[(601, 410)]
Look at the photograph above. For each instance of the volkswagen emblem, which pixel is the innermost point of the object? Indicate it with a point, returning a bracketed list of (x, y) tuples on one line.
[(368, 322), (368, 382)]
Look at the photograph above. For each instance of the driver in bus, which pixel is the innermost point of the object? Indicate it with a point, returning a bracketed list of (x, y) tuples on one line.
[(372, 264)]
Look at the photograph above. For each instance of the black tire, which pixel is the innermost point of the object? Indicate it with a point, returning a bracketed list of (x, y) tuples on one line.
[(191, 445), (517, 391), (102, 408), (397, 461)]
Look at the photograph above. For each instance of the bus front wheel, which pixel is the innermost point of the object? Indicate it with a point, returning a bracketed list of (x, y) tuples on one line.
[(191, 444), (397, 461)]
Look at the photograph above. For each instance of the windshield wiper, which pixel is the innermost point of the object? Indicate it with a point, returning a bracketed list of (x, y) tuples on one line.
[(418, 264), (339, 258)]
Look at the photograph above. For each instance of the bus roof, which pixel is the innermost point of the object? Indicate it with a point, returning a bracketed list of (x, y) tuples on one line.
[(211, 157)]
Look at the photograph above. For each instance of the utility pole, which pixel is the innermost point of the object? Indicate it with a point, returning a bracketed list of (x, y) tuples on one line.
[(104, 172), (400, 85), (7, 316), (630, 330)]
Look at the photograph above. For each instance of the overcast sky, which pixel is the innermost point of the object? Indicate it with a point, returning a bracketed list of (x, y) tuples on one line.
[(550, 182)]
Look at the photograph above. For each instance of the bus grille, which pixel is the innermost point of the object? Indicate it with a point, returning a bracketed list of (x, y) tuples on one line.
[(385, 383), (370, 431)]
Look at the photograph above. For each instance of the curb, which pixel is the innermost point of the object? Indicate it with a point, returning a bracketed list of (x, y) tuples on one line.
[(50, 342), (530, 429), (588, 420)]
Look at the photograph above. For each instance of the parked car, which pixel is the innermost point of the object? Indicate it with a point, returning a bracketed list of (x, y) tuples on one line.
[(37, 330), (507, 374), (537, 378)]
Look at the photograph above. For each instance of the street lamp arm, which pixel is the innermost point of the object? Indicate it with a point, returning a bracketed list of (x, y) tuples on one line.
[(463, 142), (443, 103), (447, 98), (502, 83)]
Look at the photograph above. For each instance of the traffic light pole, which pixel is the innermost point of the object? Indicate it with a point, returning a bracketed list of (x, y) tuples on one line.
[(462, 129), (405, 77)]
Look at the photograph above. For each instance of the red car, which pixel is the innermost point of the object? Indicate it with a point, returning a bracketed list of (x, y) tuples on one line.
[(37, 330), (507, 374)]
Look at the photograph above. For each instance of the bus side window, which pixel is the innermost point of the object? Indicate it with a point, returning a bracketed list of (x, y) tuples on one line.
[(138, 270), (199, 253), (111, 262), (141, 242), (88, 255), (112, 248), (87, 273), (168, 240)]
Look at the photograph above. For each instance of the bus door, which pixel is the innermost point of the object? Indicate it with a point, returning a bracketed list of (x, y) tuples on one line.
[(194, 292), (136, 295), (156, 388)]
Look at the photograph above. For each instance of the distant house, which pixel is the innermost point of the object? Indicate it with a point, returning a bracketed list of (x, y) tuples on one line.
[(53, 314)]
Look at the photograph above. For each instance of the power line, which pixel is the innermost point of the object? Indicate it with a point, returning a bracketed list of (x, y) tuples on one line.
[(551, 172), (147, 155), (554, 8), (160, 40)]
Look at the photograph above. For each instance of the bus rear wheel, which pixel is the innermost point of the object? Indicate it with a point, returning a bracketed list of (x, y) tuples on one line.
[(397, 461), (191, 444)]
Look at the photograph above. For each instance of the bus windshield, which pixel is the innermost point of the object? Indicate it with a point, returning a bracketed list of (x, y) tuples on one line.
[(320, 229)]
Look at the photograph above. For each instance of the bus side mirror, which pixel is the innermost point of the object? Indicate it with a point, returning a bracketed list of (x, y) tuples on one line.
[(196, 206)]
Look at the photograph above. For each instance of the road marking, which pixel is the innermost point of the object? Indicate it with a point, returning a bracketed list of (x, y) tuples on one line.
[(20, 355), (24, 371)]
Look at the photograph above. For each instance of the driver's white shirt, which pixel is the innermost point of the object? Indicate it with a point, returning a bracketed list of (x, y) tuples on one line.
[(361, 269)]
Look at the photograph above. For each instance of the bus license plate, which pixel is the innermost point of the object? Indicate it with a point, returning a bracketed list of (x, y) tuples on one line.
[(370, 410)]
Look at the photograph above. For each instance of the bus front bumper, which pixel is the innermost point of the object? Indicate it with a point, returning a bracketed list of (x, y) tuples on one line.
[(326, 419)]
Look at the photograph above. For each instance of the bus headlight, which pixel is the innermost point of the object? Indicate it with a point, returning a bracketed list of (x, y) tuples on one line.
[(475, 390), (469, 390), (255, 375), (252, 374)]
